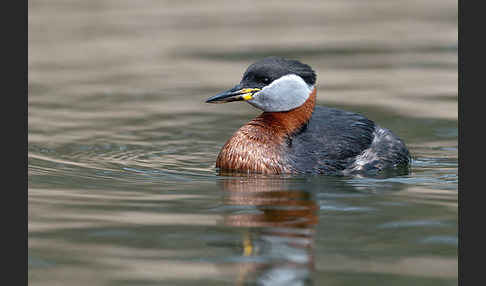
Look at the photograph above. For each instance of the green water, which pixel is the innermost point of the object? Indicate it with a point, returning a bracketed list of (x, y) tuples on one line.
[(122, 184)]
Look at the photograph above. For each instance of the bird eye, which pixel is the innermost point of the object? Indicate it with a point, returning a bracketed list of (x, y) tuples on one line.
[(266, 80)]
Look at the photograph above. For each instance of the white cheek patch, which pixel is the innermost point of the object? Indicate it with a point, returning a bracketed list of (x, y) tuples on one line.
[(283, 94)]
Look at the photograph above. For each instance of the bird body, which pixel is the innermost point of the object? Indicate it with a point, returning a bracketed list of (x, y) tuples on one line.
[(293, 135)]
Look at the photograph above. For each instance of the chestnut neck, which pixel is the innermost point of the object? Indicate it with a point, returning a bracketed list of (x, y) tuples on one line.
[(287, 122), (257, 146)]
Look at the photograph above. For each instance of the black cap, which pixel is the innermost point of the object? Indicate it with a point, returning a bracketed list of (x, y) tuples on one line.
[(263, 72)]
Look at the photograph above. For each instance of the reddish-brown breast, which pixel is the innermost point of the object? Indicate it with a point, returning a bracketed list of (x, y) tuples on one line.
[(259, 146)]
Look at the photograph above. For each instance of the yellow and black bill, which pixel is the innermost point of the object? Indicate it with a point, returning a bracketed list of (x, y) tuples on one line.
[(235, 94)]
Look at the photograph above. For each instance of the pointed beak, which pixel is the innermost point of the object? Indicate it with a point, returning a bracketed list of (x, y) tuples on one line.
[(234, 94)]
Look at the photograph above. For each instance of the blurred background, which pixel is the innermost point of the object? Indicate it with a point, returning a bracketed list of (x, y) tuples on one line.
[(122, 184)]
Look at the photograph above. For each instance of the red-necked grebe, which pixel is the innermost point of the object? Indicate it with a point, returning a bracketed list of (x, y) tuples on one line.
[(292, 135)]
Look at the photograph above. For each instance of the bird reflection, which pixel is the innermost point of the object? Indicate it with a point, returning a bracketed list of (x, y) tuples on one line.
[(278, 220)]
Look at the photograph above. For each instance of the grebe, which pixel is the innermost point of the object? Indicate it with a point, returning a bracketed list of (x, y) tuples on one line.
[(292, 135)]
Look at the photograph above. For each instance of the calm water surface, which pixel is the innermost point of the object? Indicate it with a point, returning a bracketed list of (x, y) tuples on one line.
[(122, 184)]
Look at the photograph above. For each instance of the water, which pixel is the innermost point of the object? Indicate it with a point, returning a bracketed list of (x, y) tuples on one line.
[(122, 184)]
